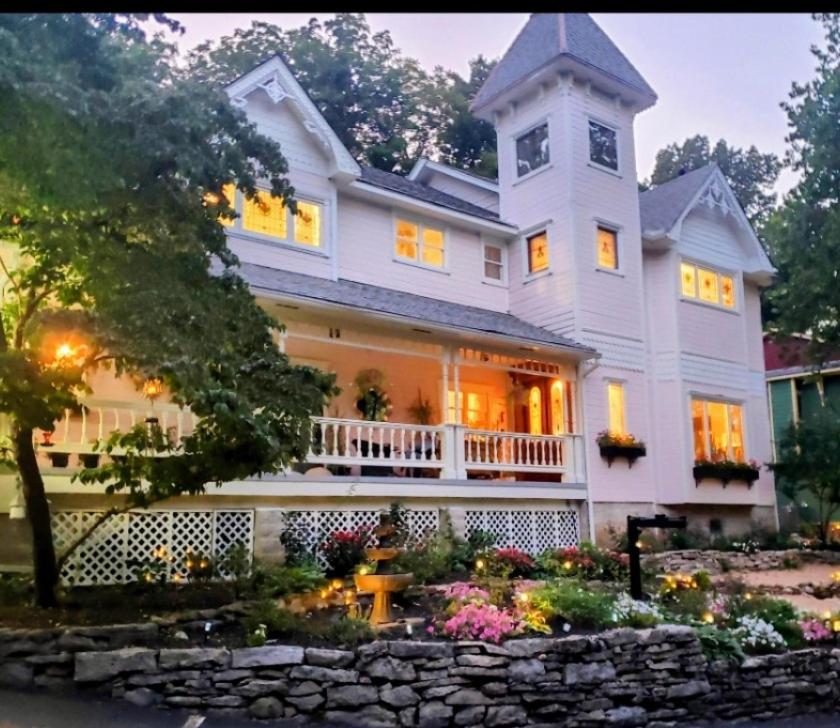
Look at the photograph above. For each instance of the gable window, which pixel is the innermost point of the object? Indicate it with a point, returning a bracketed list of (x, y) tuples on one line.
[(707, 285), (308, 224), (265, 214), (420, 243), (537, 252), (615, 402), (532, 150), (494, 263), (607, 242), (718, 430), (603, 145)]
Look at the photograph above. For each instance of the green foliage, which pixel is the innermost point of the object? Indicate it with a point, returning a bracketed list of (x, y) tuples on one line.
[(677, 539), (348, 632), (751, 174), (278, 622), (804, 233), (586, 561), (687, 604), (569, 600), (278, 580), (808, 465), (430, 560), (719, 644), (294, 539), (344, 550), (15, 589)]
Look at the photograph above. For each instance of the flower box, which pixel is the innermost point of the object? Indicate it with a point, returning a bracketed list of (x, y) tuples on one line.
[(614, 446), (59, 459), (726, 472)]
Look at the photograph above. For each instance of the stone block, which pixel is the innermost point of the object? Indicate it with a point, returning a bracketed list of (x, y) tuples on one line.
[(266, 708), (329, 658), (100, 666), (193, 657), (351, 696), (268, 656)]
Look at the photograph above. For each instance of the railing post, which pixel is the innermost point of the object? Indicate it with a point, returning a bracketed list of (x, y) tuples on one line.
[(453, 452), (575, 468)]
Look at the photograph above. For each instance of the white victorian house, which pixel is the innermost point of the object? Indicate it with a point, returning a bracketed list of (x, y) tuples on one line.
[(512, 320)]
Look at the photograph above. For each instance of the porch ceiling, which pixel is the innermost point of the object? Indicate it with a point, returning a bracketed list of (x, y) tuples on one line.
[(408, 307)]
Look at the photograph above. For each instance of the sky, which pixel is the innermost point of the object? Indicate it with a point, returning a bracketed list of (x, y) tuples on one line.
[(722, 75)]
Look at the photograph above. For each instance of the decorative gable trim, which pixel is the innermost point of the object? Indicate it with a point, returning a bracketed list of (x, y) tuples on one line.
[(274, 77)]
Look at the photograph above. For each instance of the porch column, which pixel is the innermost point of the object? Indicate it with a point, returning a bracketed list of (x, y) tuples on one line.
[(458, 427), (579, 444)]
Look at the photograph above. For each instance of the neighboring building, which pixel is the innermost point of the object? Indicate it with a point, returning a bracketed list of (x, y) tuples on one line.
[(531, 312)]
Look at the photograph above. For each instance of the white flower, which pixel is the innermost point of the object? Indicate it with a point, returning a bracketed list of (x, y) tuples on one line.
[(756, 632), (626, 607)]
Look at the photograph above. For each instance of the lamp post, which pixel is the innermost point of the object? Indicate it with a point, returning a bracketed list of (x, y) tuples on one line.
[(635, 524)]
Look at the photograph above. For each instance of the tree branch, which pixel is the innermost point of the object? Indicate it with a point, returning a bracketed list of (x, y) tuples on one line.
[(29, 311)]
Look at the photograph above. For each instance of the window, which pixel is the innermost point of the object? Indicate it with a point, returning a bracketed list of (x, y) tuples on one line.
[(266, 215), (607, 241), (562, 419), (308, 224), (603, 146), (494, 267), (615, 400), (229, 192), (473, 408), (535, 419), (707, 285), (537, 252), (419, 243), (532, 150), (718, 430)]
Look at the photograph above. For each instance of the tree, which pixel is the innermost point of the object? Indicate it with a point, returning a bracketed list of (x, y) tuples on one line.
[(112, 163), (751, 174), (804, 233), (808, 467), (461, 139), (366, 90)]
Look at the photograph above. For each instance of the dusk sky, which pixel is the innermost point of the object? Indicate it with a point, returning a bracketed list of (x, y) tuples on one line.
[(716, 74)]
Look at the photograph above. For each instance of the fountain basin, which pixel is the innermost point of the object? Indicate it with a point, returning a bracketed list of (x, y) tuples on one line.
[(382, 586)]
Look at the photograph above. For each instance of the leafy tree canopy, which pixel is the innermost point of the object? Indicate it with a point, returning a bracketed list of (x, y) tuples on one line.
[(751, 174), (112, 163), (804, 233)]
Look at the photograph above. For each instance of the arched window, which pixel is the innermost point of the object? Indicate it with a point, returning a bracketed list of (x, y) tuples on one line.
[(561, 407), (535, 411)]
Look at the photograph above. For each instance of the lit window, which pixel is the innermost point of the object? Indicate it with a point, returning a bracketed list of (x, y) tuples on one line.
[(603, 145), (718, 430), (615, 397), (420, 243), (493, 263), (707, 285), (689, 280), (532, 150), (538, 252), (562, 420), (473, 409), (229, 192), (265, 214), (308, 224), (607, 248), (535, 416)]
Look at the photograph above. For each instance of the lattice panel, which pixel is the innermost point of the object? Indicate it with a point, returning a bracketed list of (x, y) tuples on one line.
[(317, 525), (104, 557), (532, 531)]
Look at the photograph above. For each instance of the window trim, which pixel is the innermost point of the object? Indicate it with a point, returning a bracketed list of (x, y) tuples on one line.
[(528, 275), (623, 384), (396, 216), (516, 136), (696, 300), (324, 250), (503, 281), (618, 146), (619, 253), (742, 403)]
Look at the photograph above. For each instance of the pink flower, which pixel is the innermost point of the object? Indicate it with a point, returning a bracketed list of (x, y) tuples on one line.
[(464, 591), (481, 622), (815, 631)]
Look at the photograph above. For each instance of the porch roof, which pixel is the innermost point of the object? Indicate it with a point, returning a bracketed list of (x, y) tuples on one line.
[(412, 307)]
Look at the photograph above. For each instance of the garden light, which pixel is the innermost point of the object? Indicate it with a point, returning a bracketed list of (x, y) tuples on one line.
[(152, 389), (336, 584), (479, 564), (748, 596), (835, 625), (709, 618), (567, 565), (826, 614), (835, 577), (523, 597), (364, 570), (324, 593)]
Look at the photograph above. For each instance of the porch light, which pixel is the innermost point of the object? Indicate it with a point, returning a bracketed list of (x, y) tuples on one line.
[(152, 388)]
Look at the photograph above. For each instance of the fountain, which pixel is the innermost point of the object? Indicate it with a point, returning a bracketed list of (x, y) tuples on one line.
[(383, 582)]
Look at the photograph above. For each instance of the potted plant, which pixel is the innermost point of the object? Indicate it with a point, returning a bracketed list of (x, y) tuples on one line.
[(422, 410), (614, 445), (726, 471), (371, 398)]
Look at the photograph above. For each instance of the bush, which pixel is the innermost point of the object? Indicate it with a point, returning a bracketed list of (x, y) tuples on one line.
[(344, 550), (719, 644), (266, 617), (628, 612), (278, 580), (430, 560), (688, 604), (778, 613), (15, 589), (578, 606), (480, 621), (294, 539), (586, 561), (679, 539), (509, 562), (348, 632)]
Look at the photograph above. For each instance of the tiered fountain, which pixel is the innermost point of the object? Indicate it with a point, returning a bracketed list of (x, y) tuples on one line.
[(383, 582)]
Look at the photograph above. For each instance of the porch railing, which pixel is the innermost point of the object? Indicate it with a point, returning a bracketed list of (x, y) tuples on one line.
[(488, 450)]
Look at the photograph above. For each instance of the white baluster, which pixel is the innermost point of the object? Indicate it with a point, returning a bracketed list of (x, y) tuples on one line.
[(84, 426)]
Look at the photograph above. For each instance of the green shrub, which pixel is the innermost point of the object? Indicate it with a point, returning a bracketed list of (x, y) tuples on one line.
[(430, 560), (791, 562), (778, 612), (15, 589), (295, 539), (687, 604), (586, 561), (278, 622), (344, 550), (579, 606), (719, 644), (278, 580), (679, 539), (348, 632)]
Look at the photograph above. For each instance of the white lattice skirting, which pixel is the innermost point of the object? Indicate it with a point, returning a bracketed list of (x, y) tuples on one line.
[(104, 557), (532, 531)]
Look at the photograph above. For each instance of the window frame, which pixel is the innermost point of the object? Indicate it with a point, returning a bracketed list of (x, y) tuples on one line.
[(516, 136), (609, 382), (503, 281), (619, 257), (728, 401), (323, 250), (721, 273), (596, 165), (528, 274), (418, 262)]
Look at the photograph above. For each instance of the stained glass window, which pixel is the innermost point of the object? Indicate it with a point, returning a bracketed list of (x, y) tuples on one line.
[(308, 224), (603, 145), (707, 285), (607, 248), (538, 252), (420, 243), (688, 276), (406, 240), (727, 291), (532, 150), (266, 215)]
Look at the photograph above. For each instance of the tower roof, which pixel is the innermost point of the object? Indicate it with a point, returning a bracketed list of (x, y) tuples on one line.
[(571, 37)]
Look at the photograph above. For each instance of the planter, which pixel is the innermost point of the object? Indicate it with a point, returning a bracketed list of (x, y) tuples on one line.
[(630, 452), (59, 459), (725, 473), (89, 460)]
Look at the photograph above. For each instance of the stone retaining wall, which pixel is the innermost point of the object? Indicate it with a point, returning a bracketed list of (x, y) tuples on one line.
[(690, 560), (625, 677)]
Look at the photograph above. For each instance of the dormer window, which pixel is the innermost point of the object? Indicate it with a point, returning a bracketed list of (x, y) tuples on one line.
[(532, 150), (603, 146)]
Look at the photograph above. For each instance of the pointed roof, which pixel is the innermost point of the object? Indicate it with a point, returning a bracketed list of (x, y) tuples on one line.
[(662, 206), (549, 37)]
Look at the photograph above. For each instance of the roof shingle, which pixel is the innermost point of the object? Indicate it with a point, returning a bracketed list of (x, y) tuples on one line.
[(662, 206), (399, 303)]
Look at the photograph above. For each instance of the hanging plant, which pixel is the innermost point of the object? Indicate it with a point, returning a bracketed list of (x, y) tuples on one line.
[(372, 400)]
